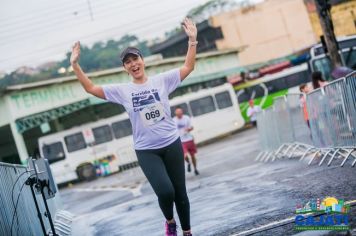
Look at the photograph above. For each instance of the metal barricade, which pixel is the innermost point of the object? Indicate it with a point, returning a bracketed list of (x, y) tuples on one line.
[(300, 135), (283, 119), (349, 99), (333, 125), (262, 131), (350, 81), (350, 107), (300, 129), (15, 194), (339, 129), (318, 120), (273, 138), (327, 130)]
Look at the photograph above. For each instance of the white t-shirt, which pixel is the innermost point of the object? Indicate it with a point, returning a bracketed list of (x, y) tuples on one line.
[(148, 108), (251, 112), (182, 124)]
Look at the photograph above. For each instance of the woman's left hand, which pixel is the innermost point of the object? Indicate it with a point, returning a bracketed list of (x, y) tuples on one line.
[(190, 29)]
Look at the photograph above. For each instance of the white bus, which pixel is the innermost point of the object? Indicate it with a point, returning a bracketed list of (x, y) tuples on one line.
[(213, 111), (319, 61), (106, 146)]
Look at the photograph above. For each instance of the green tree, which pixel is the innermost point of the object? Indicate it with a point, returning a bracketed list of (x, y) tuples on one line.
[(100, 56)]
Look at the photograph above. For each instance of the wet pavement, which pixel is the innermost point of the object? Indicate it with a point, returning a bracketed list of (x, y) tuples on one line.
[(232, 194)]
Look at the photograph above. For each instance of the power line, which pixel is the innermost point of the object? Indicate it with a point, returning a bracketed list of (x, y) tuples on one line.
[(39, 28), (13, 20), (64, 12), (46, 58), (167, 12), (90, 10), (48, 11), (96, 35), (55, 47), (132, 24)]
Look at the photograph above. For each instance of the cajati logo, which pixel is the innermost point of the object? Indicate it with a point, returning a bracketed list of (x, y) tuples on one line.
[(327, 214)]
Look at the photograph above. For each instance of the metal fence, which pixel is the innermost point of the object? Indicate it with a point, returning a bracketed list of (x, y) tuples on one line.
[(329, 132), (15, 194)]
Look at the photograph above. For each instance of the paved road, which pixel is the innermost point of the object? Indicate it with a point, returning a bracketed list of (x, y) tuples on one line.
[(233, 194)]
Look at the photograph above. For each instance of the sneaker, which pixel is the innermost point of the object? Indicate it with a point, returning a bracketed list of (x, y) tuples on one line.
[(187, 234), (196, 172), (188, 168), (171, 229)]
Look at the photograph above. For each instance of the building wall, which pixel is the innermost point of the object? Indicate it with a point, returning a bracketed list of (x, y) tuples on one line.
[(269, 30), (343, 16)]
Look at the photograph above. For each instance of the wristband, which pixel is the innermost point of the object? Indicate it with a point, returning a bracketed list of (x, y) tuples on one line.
[(192, 43)]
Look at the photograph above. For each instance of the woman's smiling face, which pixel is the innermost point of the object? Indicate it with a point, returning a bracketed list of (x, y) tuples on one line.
[(135, 66)]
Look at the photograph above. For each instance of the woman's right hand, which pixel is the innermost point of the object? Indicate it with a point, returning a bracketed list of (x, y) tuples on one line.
[(74, 58)]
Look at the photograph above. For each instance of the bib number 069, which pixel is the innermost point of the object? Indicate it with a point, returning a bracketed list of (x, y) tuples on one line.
[(152, 114)]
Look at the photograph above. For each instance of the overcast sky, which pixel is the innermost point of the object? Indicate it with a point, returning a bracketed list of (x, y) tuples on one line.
[(37, 31)]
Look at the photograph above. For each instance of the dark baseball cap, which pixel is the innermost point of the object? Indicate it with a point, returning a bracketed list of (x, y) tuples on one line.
[(128, 51)]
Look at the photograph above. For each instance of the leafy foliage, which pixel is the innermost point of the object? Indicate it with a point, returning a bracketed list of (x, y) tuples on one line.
[(98, 57)]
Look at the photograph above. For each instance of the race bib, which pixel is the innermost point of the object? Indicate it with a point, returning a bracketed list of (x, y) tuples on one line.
[(152, 114)]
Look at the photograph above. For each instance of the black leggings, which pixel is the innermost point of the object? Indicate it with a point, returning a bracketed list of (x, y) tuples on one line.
[(164, 169)]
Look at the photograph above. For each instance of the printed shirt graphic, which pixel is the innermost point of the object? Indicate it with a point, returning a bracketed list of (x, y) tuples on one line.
[(148, 108), (182, 125)]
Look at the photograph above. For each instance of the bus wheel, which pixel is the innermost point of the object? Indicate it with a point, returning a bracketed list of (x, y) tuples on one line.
[(86, 172)]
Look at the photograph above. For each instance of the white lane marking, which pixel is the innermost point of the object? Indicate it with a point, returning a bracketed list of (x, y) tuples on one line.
[(102, 189), (136, 191), (277, 223), (261, 228)]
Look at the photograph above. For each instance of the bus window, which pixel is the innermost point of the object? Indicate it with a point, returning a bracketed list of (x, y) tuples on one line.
[(324, 66), (53, 152), (75, 142), (102, 134), (223, 100), (184, 106), (122, 128), (202, 106), (350, 58)]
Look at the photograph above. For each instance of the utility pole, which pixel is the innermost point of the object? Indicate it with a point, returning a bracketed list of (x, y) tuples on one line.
[(90, 10), (323, 9)]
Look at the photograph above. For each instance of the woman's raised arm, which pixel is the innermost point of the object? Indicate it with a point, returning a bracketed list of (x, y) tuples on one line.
[(191, 31), (82, 77)]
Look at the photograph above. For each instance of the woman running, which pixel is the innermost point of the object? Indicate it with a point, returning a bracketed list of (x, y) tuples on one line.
[(156, 139)]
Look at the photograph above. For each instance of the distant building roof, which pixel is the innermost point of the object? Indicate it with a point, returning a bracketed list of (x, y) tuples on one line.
[(177, 44)]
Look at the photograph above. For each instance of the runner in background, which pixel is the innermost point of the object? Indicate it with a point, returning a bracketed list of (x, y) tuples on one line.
[(252, 111), (156, 139), (189, 147)]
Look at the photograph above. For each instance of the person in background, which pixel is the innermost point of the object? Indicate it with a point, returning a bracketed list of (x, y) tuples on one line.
[(189, 147), (340, 71), (245, 76), (252, 111), (304, 88), (318, 80)]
